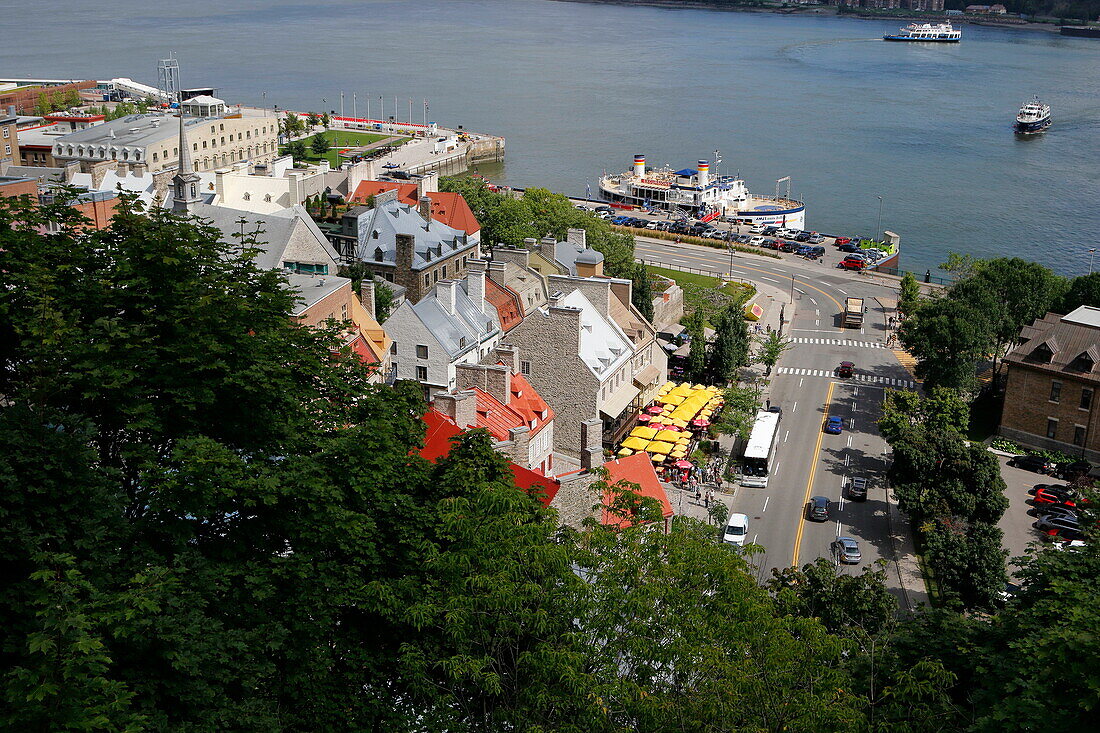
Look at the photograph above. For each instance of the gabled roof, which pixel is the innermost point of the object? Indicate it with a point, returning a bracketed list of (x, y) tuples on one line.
[(288, 235), (507, 303), (1065, 338), (603, 346), (529, 403), (447, 208), (437, 443), (458, 332), (637, 469), (378, 229)]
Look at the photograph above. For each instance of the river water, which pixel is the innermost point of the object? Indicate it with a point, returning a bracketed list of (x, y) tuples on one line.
[(577, 89)]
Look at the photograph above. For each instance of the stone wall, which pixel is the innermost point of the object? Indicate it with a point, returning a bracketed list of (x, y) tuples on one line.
[(1027, 407), (668, 306)]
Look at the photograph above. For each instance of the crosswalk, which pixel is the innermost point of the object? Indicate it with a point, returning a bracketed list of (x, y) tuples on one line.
[(858, 378), (839, 342)]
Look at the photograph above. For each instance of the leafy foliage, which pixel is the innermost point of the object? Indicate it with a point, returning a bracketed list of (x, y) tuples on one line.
[(730, 349), (769, 348), (319, 144), (738, 411), (908, 294)]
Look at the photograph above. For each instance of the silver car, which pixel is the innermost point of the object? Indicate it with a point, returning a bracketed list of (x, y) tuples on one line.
[(846, 550)]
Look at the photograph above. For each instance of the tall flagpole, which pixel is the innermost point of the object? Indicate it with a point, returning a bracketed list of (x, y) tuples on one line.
[(382, 102), (353, 106), (341, 104), (368, 106)]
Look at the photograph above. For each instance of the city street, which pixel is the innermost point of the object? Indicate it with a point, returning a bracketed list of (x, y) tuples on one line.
[(810, 462)]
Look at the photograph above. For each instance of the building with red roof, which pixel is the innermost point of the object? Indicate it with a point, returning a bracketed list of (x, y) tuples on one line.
[(506, 302), (446, 208), (637, 469), (437, 443), (499, 399)]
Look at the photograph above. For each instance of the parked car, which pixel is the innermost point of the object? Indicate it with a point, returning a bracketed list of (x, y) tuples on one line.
[(816, 238), (834, 425), (817, 509), (770, 230), (1010, 591), (737, 529), (846, 550), (842, 240), (1059, 523), (846, 369), (789, 247), (1044, 487), (1029, 462), (603, 209), (756, 241), (651, 225), (848, 248), (1064, 535), (757, 229), (770, 244), (1053, 496), (852, 263), (857, 489), (815, 253), (1071, 471), (802, 237), (1051, 511)]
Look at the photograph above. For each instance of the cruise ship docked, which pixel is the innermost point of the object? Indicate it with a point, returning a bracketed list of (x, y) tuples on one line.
[(1033, 117), (926, 33), (694, 192)]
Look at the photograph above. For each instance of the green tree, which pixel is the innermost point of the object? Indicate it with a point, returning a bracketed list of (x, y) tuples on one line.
[(962, 266), (968, 561), (908, 294), (769, 348), (42, 106), (739, 408), (312, 120), (297, 150), (319, 145), (1083, 290), (326, 120), (948, 338), (903, 411), (848, 605), (383, 302), (641, 293), (730, 348), (697, 351)]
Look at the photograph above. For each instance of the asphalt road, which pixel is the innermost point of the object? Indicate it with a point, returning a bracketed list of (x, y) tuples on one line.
[(810, 462)]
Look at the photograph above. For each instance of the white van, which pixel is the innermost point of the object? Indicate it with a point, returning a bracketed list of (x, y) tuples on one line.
[(756, 229), (737, 529)]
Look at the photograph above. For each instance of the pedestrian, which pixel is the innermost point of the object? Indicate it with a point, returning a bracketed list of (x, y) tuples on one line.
[(698, 493), (768, 402), (706, 501)]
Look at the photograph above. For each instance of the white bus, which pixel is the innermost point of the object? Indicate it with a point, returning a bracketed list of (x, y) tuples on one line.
[(759, 455)]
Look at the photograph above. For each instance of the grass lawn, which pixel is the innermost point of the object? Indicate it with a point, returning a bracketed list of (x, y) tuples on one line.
[(342, 139), (735, 290), (701, 292)]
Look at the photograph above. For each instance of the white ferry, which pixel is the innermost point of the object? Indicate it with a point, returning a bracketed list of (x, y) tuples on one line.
[(1033, 117), (926, 33), (694, 192)]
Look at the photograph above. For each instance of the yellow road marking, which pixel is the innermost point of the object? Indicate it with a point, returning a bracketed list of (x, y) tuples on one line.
[(688, 254), (810, 482)]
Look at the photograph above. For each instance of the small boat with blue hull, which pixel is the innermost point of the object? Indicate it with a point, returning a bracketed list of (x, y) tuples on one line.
[(1033, 117), (926, 33)]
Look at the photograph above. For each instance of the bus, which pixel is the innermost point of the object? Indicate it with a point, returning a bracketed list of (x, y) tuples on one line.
[(759, 455)]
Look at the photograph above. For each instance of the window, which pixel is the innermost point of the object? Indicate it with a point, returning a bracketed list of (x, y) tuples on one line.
[(7, 132), (1079, 435), (422, 373), (220, 127), (1086, 399), (344, 312), (525, 367), (1052, 427), (444, 272), (1055, 391), (204, 145), (393, 348), (154, 157), (421, 351), (7, 150), (427, 280), (223, 139)]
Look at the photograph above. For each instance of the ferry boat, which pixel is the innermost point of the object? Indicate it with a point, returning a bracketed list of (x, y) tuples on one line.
[(926, 33), (1033, 117), (695, 192)]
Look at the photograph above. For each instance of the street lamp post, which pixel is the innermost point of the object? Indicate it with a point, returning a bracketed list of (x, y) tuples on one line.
[(879, 233), (1092, 256), (792, 287)]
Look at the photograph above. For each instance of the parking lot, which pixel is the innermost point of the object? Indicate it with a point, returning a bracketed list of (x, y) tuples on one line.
[(807, 244), (1021, 515)]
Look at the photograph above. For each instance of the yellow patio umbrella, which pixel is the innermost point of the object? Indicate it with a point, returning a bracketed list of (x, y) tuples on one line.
[(680, 423), (643, 432), (669, 436), (658, 458), (659, 446), (668, 385), (699, 386), (635, 443), (672, 399), (678, 453), (625, 452), (683, 441)]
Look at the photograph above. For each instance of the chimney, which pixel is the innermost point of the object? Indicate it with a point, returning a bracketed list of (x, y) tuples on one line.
[(498, 382), (475, 283), (509, 356), (425, 209), (445, 295), (366, 296), (531, 244), (461, 407), (548, 247), (405, 244), (577, 237), (429, 183), (521, 446), (591, 443), (621, 289)]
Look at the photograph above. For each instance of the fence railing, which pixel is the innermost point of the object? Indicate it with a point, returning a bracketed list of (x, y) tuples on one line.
[(718, 273), (926, 277)]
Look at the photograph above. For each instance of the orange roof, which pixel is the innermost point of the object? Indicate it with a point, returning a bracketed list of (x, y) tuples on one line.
[(507, 303), (447, 208), (529, 403), (437, 443), (637, 469)]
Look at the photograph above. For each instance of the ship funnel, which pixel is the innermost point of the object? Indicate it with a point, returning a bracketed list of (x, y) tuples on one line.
[(639, 165), (704, 173)]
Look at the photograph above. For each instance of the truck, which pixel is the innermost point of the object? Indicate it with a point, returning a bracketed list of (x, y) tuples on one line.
[(853, 312)]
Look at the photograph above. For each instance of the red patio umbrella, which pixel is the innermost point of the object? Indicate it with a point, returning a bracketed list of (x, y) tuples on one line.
[(654, 410), (644, 418), (684, 464), (700, 422)]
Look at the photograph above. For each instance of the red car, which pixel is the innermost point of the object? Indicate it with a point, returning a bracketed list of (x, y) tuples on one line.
[(1047, 496), (843, 240), (853, 263)]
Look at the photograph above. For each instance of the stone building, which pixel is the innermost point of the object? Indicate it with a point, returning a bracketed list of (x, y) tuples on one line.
[(512, 268), (9, 140), (1050, 396), (150, 142), (404, 245), (451, 324)]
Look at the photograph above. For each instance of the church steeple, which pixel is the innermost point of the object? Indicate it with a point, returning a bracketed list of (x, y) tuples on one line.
[(185, 183)]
